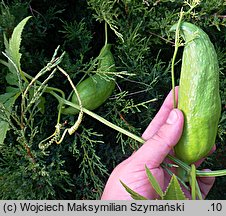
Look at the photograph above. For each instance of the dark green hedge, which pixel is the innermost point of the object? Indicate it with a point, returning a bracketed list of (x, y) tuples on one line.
[(78, 167)]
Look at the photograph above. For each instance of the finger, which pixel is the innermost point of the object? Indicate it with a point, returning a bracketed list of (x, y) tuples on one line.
[(199, 162), (154, 151), (161, 116), (205, 184)]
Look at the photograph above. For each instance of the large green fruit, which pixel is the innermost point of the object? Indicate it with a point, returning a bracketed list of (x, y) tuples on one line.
[(198, 98), (96, 89)]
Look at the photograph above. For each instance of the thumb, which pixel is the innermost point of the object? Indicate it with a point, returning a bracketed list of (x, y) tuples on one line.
[(154, 150)]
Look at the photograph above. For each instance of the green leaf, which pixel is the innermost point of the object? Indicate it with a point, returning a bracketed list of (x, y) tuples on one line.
[(154, 182), (14, 42), (41, 104), (12, 52), (12, 79), (6, 43), (4, 63), (12, 90), (8, 99), (4, 98), (4, 125), (174, 191), (133, 194)]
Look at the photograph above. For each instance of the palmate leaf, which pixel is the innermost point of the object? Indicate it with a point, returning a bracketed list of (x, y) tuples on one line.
[(174, 191)]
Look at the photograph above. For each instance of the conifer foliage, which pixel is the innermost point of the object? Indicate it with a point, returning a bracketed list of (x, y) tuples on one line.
[(69, 35)]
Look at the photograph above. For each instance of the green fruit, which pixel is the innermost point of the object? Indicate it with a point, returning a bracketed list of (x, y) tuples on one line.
[(96, 89), (198, 98)]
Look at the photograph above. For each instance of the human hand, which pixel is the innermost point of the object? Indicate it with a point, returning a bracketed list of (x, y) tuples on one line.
[(161, 136)]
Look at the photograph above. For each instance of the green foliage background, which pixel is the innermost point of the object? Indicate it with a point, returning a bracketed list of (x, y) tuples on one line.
[(78, 168)]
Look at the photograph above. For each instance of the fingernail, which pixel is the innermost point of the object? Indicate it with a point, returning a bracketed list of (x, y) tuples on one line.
[(172, 118)]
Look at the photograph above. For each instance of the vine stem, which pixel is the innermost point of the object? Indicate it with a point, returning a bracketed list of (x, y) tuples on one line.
[(98, 57), (79, 120), (99, 118), (106, 33), (48, 88), (177, 45), (199, 173)]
